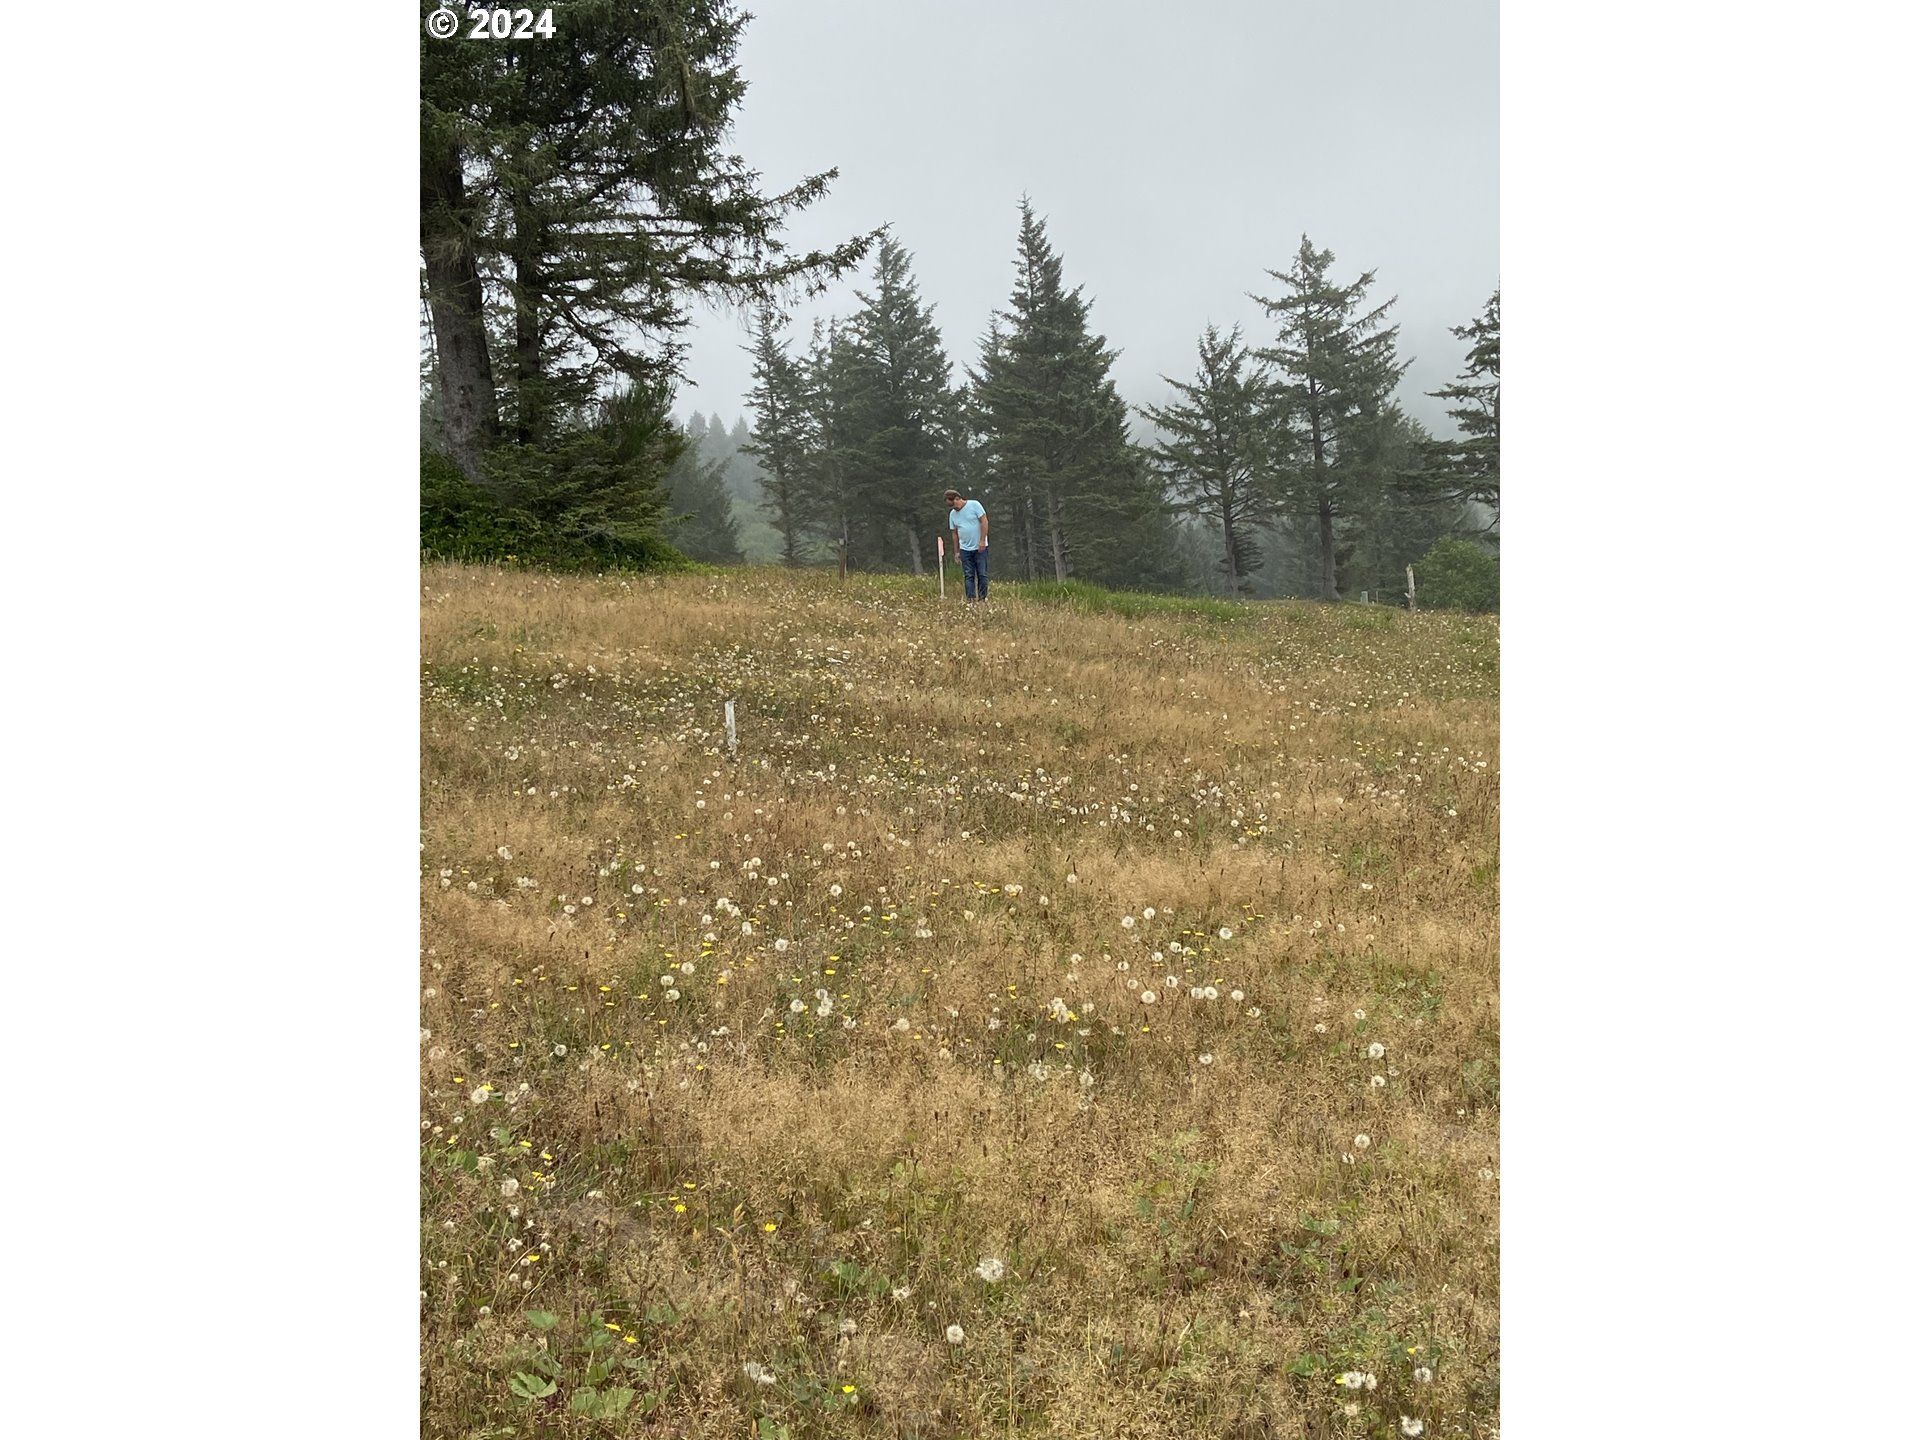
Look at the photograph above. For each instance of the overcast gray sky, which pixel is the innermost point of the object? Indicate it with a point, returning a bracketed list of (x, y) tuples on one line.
[(1176, 153)]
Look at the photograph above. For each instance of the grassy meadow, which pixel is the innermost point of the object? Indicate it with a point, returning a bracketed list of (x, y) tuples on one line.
[(1072, 1017)]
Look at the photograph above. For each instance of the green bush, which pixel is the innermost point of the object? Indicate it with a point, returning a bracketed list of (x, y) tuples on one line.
[(459, 521), (1458, 575)]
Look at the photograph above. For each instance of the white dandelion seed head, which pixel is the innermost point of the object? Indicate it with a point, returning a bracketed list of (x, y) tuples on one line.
[(757, 1373), (1236, 996), (1126, 922), (990, 1269), (797, 1006), (955, 1335), (849, 1326), (1379, 1082), (559, 1052), (781, 944), (1359, 1014), (1361, 1142), (1149, 912), (509, 1187), (1225, 933), (903, 1293), (1423, 1375), (479, 1097), (1376, 1050), (1410, 1426), (1206, 1059), (1147, 997), (1320, 1029)]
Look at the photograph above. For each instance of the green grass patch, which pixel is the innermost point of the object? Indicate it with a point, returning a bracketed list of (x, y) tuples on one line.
[(1085, 599)]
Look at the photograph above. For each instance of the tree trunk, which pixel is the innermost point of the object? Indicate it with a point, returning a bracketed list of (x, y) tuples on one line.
[(913, 541), (1329, 590), (529, 406), (1033, 544), (1226, 525), (1057, 539), (789, 539), (455, 300)]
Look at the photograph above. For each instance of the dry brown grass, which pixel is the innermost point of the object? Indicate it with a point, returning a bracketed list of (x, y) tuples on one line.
[(1193, 1244)]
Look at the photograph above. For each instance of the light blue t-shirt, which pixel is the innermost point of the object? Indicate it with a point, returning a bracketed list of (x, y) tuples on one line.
[(966, 520)]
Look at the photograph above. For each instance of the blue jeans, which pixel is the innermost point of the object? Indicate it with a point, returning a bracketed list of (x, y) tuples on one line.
[(973, 570)]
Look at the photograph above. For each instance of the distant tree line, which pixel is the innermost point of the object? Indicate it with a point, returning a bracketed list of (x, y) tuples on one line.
[(1279, 469)]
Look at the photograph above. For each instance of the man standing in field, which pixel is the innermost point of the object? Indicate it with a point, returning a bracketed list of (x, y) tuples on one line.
[(968, 521)]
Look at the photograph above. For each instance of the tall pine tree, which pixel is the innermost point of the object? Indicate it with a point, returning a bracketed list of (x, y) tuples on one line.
[(1467, 467), (1336, 373), (898, 383), (1218, 447), (704, 527), (1081, 498), (783, 433), (835, 462)]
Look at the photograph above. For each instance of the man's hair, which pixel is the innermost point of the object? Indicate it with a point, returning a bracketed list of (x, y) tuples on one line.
[(953, 494)]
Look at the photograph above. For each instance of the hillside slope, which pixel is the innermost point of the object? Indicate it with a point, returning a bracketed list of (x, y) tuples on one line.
[(1048, 1022)]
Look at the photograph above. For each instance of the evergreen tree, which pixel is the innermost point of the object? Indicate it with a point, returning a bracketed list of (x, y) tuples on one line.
[(1081, 498), (580, 187), (1217, 450), (1387, 530), (704, 527), (835, 461), (743, 471), (1467, 467), (596, 487), (1337, 370), (759, 541), (784, 433), (717, 443), (900, 408)]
